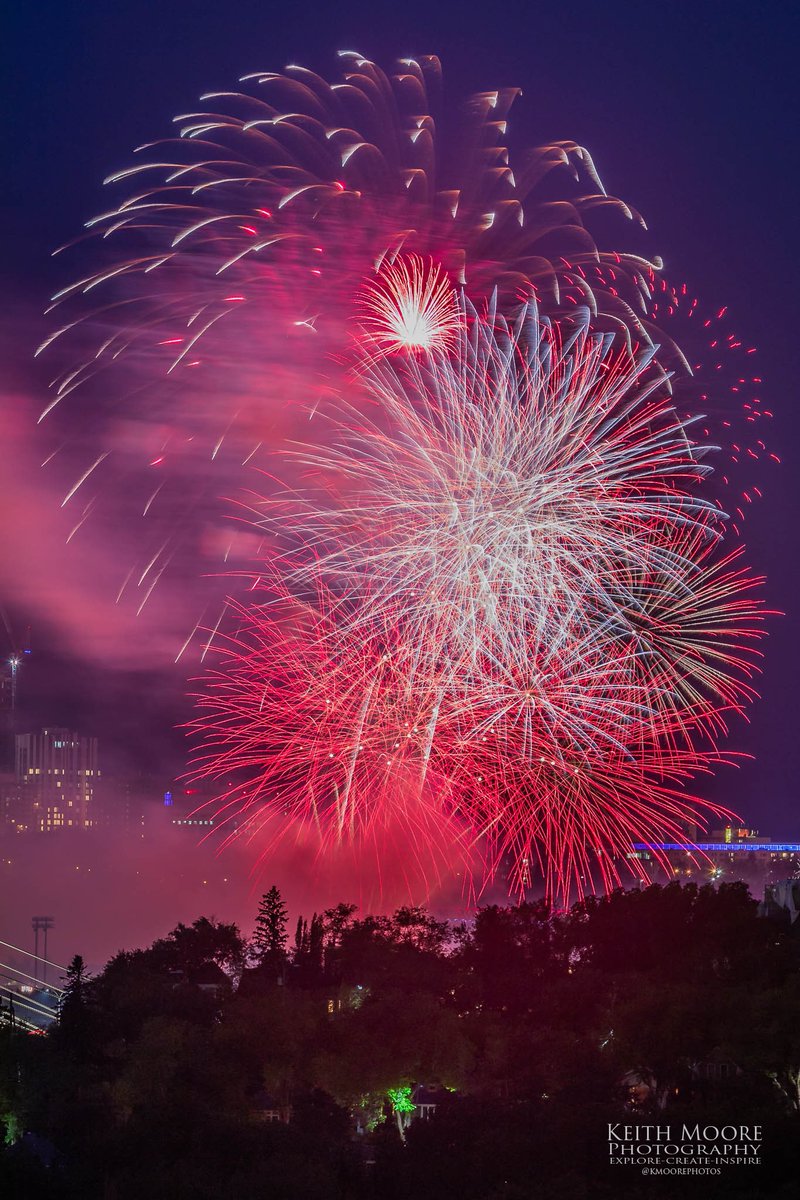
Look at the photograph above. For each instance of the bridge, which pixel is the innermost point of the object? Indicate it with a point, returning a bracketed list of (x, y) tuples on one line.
[(739, 847), (28, 1001)]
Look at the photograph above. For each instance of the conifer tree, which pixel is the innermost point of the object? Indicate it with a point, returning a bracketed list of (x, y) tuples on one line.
[(270, 937)]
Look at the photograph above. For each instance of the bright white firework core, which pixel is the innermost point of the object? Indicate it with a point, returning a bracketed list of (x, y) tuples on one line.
[(410, 306)]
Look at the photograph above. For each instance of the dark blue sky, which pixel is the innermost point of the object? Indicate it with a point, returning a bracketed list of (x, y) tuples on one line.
[(689, 110)]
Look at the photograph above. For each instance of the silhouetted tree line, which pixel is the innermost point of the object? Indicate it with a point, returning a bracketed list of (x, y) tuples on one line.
[(210, 1066)]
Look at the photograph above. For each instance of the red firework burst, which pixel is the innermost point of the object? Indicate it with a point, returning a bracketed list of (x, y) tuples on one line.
[(519, 631)]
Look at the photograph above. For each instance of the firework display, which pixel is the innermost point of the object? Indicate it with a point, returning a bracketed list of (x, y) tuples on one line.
[(516, 611), (267, 212), (232, 264), (484, 490)]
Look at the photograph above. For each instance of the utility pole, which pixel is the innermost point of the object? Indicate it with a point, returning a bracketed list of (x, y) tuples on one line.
[(43, 924)]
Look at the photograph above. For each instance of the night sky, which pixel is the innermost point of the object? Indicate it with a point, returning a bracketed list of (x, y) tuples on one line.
[(690, 113)]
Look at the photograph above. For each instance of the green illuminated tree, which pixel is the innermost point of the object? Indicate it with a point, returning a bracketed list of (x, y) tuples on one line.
[(402, 1106)]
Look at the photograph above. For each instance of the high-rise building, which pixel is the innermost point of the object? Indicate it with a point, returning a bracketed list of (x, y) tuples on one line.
[(57, 775)]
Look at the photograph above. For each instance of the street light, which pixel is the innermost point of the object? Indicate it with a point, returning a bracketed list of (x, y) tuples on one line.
[(41, 923)]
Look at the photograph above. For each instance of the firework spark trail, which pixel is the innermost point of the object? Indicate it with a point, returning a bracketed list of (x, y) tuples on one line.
[(326, 743), (232, 260), (494, 606), (516, 609), (300, 170), (716, 371), (500, 494), (326, 733)]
